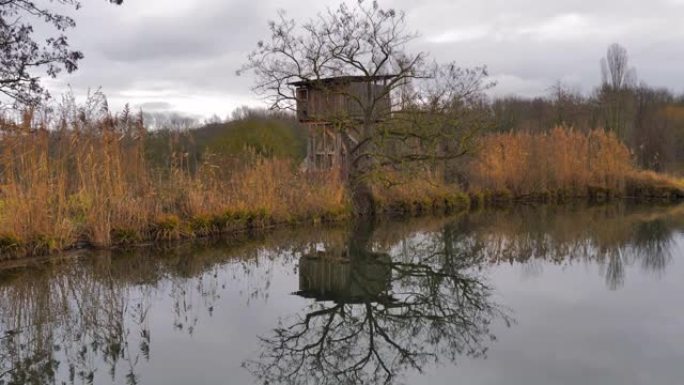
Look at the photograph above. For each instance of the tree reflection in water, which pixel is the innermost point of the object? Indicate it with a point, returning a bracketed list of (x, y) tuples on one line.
[(88, 322), (382, 302), (609, 236), (377, 315)]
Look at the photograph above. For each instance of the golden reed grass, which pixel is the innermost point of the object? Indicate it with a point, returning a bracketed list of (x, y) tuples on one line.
[(563, 163), (415, 192), (86, 182)]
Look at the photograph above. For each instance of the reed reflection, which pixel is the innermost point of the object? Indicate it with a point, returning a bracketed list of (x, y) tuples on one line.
[(612, 237), (88, 321), (381, 301)]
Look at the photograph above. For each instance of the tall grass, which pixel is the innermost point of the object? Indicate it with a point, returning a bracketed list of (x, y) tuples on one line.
[(84, 179), (74, 183), (563, 162), (419, 191)]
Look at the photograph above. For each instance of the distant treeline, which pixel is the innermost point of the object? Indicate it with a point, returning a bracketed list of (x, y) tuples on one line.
[(255, 131), (650, 121)]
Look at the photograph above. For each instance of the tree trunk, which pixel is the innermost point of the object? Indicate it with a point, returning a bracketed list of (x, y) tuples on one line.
[(362, 198), (360, 237), (358, 182)]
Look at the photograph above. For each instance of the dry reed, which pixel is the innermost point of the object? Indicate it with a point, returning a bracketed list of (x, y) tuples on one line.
[(562, 163), (416, 192), (84, 180)]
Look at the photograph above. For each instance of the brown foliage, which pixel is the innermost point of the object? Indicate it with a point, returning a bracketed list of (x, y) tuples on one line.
[(415, 192), (88, 182), (562, 161)]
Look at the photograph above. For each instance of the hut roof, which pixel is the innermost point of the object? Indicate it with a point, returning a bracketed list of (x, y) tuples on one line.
[(341, 79)]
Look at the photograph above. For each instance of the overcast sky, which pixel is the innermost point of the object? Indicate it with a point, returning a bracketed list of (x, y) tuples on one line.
[(182, 55)]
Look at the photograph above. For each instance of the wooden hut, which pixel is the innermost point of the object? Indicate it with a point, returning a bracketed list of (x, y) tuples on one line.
[(328, 277), (332, 105)]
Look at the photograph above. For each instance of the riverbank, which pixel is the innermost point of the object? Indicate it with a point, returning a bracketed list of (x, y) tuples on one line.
[(172, 228), (185, 293), (640, 187), (238, 224), (93, 185)]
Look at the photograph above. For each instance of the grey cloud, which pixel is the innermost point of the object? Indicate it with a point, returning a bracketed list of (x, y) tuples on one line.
[(203, 33), (186, 53), (155, 106)]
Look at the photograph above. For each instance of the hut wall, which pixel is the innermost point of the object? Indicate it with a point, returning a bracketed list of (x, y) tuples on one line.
[(325, 109), (341, 103)]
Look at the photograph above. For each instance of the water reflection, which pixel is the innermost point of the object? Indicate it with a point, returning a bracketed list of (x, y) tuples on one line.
[(373, 303), (379, 315), (87, 321), (612, 237)]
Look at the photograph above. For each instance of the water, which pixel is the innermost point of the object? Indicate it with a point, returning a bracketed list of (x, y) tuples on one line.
[(521, 296)]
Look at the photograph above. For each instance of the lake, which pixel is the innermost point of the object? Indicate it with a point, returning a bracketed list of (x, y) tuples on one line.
[(522, 295)]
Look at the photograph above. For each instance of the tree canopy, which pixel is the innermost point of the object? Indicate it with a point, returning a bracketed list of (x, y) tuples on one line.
[(24, 55), (429, 101)]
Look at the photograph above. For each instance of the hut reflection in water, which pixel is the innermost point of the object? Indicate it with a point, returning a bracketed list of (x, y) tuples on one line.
[(326, 276)]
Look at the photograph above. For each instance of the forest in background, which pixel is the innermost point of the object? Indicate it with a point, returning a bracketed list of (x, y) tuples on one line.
[(649, 120)]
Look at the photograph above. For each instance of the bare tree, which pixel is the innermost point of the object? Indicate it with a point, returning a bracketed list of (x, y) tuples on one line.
[(21, 53), (616, 93), (369, 43), (393, 314), (615, 69)]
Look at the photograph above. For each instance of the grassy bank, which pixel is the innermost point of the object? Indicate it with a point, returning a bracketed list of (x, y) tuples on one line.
[(88, 180), (89, 183), (417, 194)]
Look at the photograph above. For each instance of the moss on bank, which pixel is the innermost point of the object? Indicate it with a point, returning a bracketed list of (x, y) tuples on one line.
[(642, 187)]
